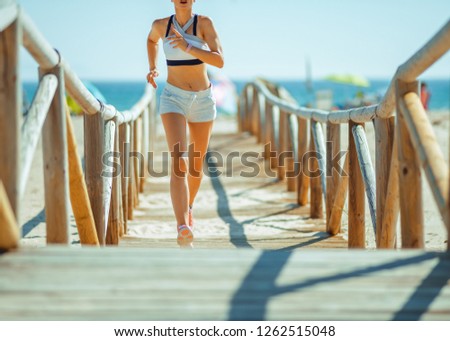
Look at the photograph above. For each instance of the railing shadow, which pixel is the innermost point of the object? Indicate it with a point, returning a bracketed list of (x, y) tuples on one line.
[(236, 231), (250, 301), (33, 222), (435, 280)]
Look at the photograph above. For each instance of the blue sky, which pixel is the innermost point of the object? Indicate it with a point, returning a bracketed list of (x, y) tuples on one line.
[(106, 39)]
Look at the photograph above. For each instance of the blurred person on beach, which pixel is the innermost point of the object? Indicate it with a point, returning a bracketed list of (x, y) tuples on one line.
[(190, 42), (425, 95)]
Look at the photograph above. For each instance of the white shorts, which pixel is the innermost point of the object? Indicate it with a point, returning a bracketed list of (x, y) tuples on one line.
[(196, 106)]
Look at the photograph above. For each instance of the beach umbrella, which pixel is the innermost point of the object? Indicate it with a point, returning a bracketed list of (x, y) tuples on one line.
[(75, 108), (349, 79)]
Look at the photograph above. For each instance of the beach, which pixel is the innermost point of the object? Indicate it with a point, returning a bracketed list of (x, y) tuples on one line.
[(32, 215)]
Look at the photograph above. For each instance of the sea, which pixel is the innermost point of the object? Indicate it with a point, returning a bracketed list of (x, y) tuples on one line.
[(124, 94)]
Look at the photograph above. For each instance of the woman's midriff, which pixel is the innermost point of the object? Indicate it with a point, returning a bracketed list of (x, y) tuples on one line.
[(190, 78)]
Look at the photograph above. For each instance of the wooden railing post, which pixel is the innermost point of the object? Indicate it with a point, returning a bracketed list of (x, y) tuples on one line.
[(249, 122), (152, 125), (56, 168), (144, 149), (273, 139), (410, 178), (136, 159), (384, 141), (282, 144), (9, 231), (303, 180), (114, 223), (267, 131), (261, 119), (79, 198), (131, 174), (366, 167), (356, 199), (94, 131), (124, 148), (316, 202), (333, 149), (10, 112), (245, 111), (290, 157), (255, 113)]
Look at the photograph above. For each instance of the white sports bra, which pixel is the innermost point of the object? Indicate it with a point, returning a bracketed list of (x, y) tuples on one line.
[(177, 57)]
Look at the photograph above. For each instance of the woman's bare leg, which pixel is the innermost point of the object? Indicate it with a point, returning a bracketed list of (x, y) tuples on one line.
[(175, 127), (199, 135)]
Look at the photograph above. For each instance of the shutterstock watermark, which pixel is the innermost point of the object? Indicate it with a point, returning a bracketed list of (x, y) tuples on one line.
[(247, 164)]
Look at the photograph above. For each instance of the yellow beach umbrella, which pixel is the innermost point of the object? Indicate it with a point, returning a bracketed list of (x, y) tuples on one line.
[(349, 79)]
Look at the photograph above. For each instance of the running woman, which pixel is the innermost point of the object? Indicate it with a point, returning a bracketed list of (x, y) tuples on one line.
[(190, 42)]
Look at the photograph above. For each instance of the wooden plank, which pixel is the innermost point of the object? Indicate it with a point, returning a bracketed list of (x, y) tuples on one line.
[(314, 171), (410, 179), (384, 140), (356, 200), (303, 148), (268, 146), (333, 284), (79, 197), (94, 131), (32, 126), (430, 154), (10, 113), (9, 230), (367, 172), (56, 167), (333, 146), (334, 225)]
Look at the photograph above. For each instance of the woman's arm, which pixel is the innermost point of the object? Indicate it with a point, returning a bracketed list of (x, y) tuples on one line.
[(152, 52), (213, 57)]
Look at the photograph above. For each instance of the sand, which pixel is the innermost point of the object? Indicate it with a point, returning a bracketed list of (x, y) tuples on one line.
[(32, 216)]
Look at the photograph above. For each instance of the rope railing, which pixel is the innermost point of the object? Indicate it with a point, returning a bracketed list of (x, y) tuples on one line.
[(404, 144), (102, 199)]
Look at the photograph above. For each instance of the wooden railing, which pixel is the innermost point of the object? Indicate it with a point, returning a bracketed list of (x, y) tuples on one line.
[(405, 143), (101, 202)]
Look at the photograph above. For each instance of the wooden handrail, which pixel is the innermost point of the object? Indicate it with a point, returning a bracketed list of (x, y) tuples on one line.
[(93, 199), (396, 185), (8, 13), (47, 58)]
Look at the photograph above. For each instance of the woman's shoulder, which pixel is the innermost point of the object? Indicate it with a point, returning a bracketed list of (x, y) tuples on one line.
[(205, 21), (161, 22)]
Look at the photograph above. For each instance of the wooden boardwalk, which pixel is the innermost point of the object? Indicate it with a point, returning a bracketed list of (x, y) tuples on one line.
[(232, 273), (147, 284), (232, 210)]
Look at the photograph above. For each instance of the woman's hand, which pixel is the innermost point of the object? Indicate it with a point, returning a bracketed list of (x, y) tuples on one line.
[(154, 73), (178, 41)]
